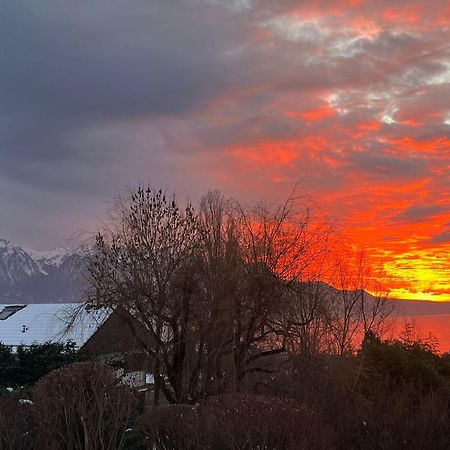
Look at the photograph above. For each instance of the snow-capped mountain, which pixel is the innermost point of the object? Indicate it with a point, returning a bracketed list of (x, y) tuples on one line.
[(31, 276), (48, 259)]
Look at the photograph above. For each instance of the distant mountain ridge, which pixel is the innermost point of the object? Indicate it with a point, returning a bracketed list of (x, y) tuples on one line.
[(57, 276), (30, 276)]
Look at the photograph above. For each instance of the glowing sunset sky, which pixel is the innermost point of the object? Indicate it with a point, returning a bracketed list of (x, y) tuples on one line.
[(349, 98)]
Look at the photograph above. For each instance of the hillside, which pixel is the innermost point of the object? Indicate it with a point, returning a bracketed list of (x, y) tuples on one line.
[(28, 276)]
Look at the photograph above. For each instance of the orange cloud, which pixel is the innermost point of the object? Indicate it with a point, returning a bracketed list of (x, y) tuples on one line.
[(267, 154), (375, 155), (425, 145), (319, 114)]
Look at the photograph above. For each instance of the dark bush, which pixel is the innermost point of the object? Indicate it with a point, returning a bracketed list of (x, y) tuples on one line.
[(248, 422), (171, 427), (400, 419), (385, 397), (323, 383), (394, 364), (17, 424), (236, 422), (7, 365), (83, 406), (37, 360), (30, 363)]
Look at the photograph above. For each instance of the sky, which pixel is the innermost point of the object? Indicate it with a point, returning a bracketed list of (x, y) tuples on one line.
[(348, 98)]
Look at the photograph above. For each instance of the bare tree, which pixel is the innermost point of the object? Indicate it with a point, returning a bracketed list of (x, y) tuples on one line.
[(269, 253), (352, 311), (212, 292), (212, 288), (141, 267), (307, 314)]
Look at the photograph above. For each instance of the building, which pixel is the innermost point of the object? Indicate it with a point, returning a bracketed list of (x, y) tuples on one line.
[(103, 333), (38, 323)]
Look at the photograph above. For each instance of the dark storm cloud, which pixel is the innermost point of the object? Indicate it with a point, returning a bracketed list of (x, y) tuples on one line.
[(377, 164), (68, 67), (441, 238), (417, 213), (110, 60), (72, 73)]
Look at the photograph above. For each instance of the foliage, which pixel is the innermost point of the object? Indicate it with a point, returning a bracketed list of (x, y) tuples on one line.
[(382, 398), (7, 366), (236, 422), (83, 406), (171, 427), (17, 424), (399, 362), (406, 417), (30, 363)]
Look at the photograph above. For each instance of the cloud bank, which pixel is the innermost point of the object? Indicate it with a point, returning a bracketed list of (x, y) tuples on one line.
[(351, 98)]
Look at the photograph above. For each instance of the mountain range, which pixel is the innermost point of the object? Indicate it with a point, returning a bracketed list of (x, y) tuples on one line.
[(30, 276), (58, 276)]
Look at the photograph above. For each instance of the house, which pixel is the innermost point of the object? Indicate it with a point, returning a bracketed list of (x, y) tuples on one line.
[(115, 340), (102, 333), (23, 324)]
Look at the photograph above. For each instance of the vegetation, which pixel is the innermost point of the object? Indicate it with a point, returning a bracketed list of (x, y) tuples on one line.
[(28, 364), (220, 289), (380, 398), (84, 406), (249, 347)]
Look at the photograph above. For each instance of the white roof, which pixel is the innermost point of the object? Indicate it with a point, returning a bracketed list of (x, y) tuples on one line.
[(39, 323)]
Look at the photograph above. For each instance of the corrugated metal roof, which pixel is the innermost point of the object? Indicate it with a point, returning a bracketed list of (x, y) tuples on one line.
[(39, 323)]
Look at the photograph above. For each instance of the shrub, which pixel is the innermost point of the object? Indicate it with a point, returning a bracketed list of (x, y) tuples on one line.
[(400, 419), (171, 427), (30, 363), (248, 422), (397, 363), (37, 360), (235, 422), (17, 425), (83, 406), (7, 363)]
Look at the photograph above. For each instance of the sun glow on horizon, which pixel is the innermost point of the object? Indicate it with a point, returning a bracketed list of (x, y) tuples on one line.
[(419, 276)]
